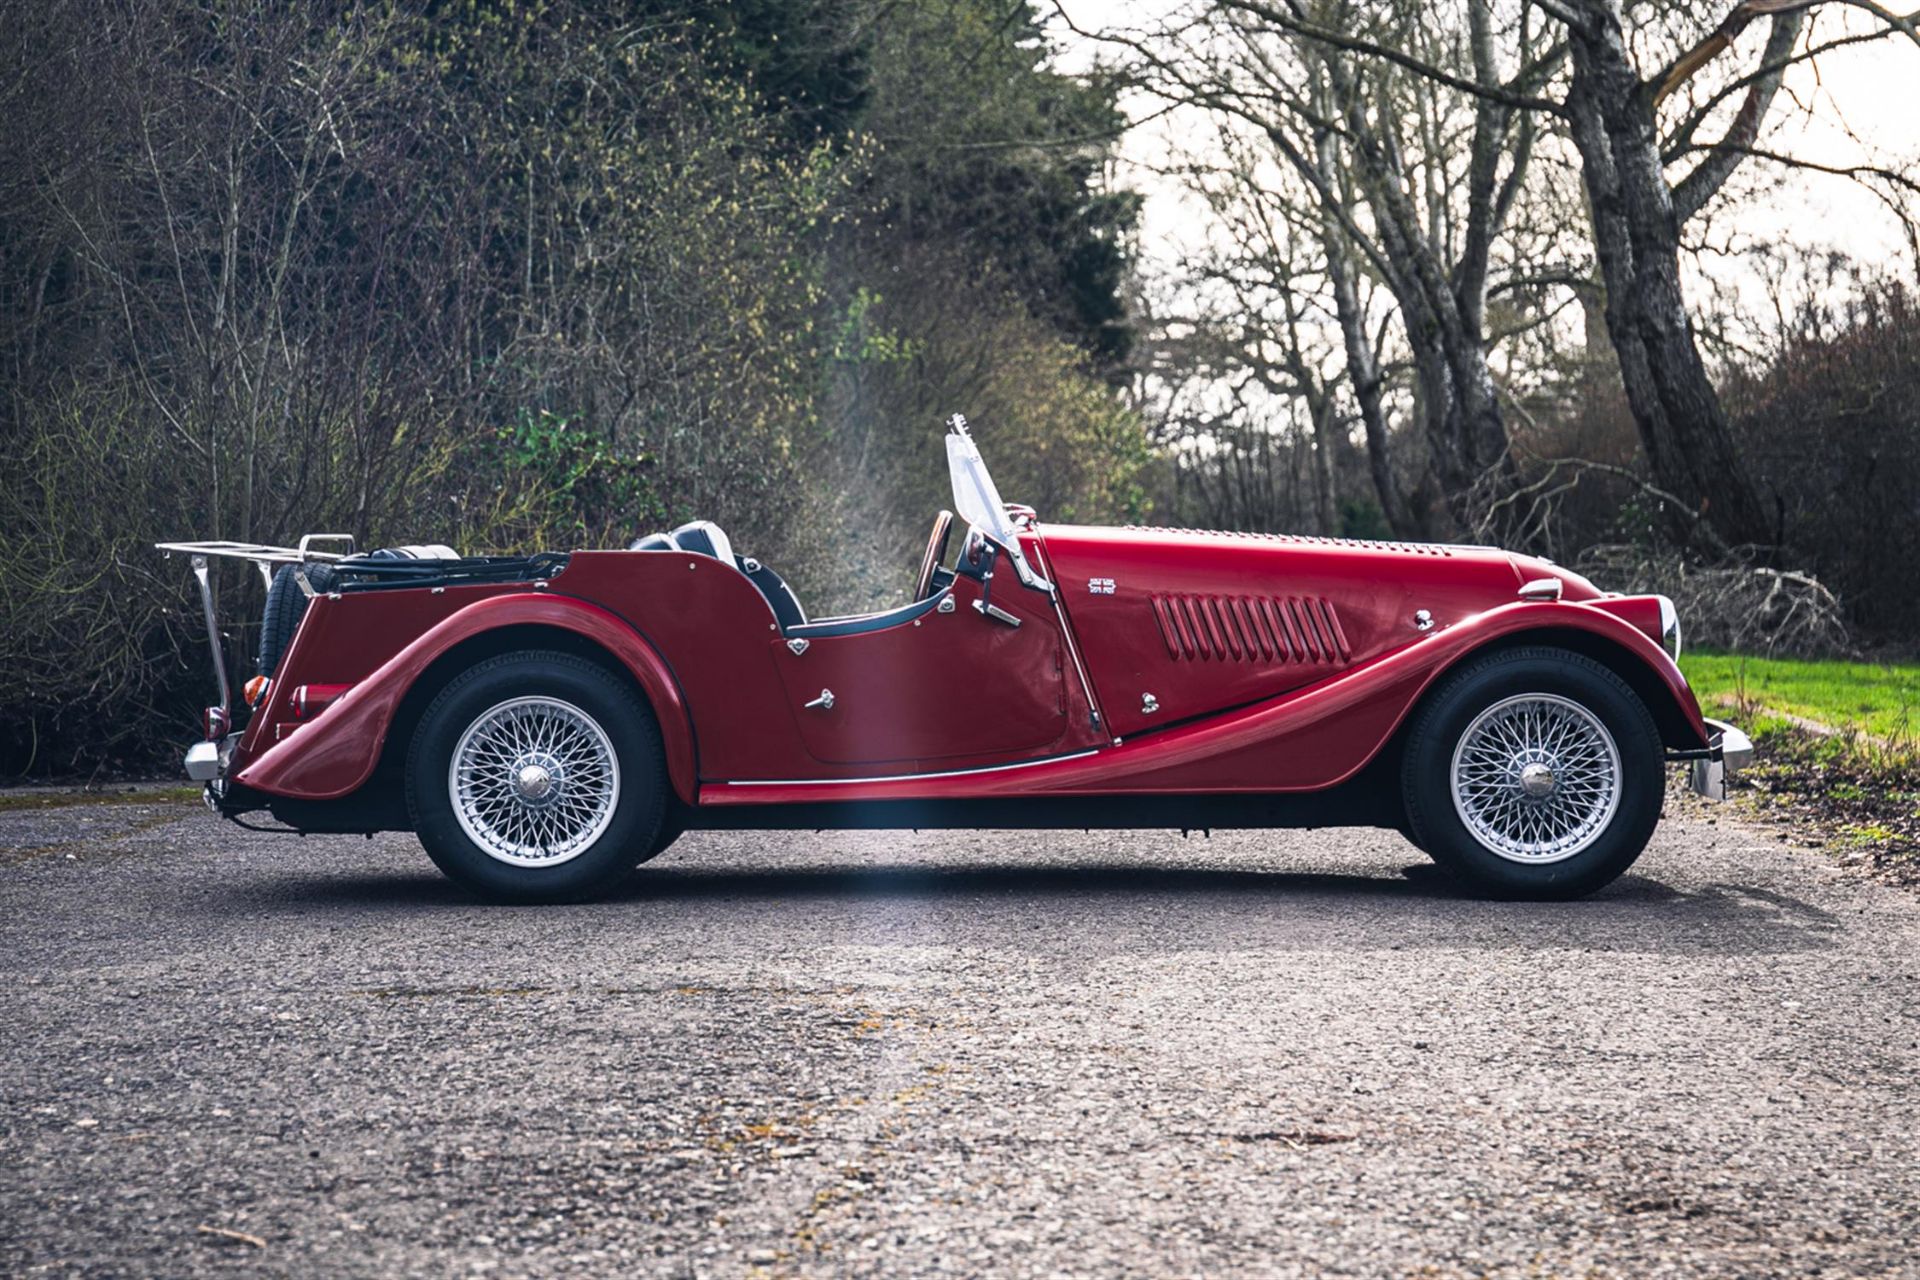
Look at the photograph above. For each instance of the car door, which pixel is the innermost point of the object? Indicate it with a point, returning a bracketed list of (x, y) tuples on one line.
[(943, 681)]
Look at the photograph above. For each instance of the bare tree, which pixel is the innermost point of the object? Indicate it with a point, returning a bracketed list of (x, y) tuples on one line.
[(1610, 108), (1409, 181), (1293, 327)]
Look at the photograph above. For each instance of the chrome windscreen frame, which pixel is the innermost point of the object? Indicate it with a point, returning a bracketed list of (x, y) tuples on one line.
[(977, 501)]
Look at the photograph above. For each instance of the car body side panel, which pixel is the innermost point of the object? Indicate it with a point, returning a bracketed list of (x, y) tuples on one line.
[(1307, 739), (703, 642), (939, 687), (1206, 621), (742, 683), (705, 647), (336, 753)]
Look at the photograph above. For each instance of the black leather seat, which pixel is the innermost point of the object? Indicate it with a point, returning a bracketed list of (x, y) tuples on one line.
[(705, 538)]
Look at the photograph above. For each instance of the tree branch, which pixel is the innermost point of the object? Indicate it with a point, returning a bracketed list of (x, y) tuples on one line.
[(1692, 192), (1856, 171), (1400, 58), (1689, 63), (1554, 9), (1907, 24), (1682, 135)]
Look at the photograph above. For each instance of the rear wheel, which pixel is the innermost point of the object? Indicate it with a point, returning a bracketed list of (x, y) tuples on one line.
[(1534, 773), (537, 777)]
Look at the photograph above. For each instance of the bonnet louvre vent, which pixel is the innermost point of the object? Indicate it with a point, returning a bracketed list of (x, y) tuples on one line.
[(1310, 540), (1291, 629)]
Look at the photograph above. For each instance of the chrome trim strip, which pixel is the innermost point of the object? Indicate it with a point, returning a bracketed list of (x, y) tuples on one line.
[(904, 777)]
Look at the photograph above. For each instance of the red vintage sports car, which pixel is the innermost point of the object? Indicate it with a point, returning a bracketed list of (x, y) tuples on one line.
[(546, 723)]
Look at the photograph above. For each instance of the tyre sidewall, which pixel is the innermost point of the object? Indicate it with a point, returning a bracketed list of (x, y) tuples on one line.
[(286, 606), (613, 704), (1439, 726)]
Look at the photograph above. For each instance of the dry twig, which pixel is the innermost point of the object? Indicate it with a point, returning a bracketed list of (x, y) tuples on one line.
[(228, 1233)]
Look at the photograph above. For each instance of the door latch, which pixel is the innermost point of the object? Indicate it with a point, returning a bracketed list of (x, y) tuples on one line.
[(822, 703), (985, 606), (995, 612)]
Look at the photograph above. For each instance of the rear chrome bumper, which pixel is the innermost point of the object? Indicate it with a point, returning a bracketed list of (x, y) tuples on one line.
[(208, 761), (1728, 751)]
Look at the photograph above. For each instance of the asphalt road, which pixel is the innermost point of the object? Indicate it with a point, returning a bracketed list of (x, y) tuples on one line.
[(948, 1054)]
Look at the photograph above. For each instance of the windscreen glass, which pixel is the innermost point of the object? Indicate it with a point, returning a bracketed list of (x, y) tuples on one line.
[(974, 497)]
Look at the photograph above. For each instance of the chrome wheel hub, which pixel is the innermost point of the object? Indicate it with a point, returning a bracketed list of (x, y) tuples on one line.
[(1536, 778), (534, 781)]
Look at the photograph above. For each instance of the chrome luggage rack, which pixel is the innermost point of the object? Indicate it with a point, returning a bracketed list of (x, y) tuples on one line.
[(263, 557)]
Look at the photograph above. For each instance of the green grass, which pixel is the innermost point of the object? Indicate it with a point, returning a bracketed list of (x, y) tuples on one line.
[(1877, 699)]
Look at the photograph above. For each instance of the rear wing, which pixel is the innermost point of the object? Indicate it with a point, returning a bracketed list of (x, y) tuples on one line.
[(414, 566)]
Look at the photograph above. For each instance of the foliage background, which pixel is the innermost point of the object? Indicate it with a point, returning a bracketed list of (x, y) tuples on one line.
[(513, 274), (524, 274)]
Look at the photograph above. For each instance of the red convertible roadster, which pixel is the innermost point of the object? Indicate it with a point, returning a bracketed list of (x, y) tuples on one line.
[(545, 723)]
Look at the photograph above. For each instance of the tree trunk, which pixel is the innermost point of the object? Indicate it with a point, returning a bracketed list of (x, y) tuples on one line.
[(1466, 435), (1683, 428), (1465, 428), (1363, 371)]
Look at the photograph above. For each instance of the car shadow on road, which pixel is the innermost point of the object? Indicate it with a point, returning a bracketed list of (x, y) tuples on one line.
[(993, 879), (1420, 906)]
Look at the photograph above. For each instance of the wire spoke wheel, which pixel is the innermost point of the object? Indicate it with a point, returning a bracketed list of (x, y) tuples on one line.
[(1536, 778), (534, 781)]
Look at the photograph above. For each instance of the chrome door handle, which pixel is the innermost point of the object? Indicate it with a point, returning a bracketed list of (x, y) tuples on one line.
[(995, 612), (822, 703)]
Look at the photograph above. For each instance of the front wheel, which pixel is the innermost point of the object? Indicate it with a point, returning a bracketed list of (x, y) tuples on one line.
[(1534, 773), (537, 777)]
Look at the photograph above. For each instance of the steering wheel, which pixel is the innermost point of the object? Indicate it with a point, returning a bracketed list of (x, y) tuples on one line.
[(936, 552)]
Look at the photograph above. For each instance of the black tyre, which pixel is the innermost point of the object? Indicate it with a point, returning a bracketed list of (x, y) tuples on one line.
[(537, 777), (673, 825), (1533, 773)]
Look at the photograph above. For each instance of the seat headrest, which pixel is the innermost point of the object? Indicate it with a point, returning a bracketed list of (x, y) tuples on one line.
[(652, 542), (704, 537)]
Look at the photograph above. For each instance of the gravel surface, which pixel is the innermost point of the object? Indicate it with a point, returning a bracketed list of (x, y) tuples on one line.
[(947, 1054)]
